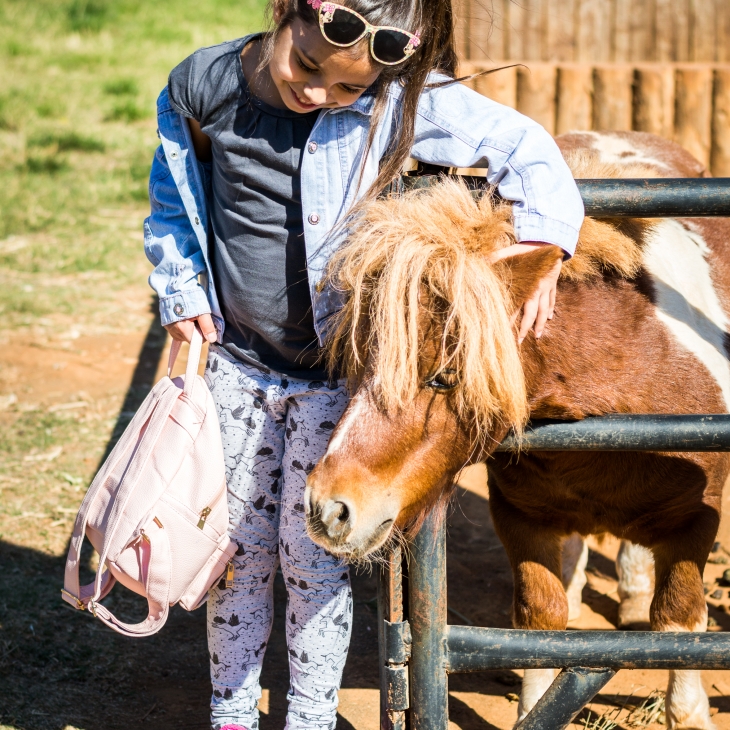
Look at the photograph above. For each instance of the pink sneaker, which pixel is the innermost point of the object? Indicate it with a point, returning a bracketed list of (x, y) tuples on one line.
[(233, 727)]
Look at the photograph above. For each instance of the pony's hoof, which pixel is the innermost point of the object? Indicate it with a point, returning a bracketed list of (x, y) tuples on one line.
[(633, 613)]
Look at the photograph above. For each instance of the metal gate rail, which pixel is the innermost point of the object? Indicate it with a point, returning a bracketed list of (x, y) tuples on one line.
[(418, 650)]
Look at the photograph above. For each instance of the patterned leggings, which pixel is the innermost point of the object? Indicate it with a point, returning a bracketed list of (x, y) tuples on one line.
[(274, 430)]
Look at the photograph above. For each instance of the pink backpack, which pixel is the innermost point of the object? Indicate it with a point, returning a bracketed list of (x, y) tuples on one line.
[(157, 511)]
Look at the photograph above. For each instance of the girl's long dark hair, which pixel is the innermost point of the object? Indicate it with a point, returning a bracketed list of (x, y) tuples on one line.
[(434, 20)]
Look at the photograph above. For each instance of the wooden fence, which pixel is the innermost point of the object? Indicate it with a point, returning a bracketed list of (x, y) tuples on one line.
[(689, 103), (594, 31)]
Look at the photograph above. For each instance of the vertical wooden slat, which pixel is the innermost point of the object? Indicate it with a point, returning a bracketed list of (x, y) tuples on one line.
[(534, 30), (515, 19), (594, 35), (642, 30), (497, 42), (479, 25), (654, 99), (575, 98), (500, 86), (720, 155), (703, 26), (612, 97), (461, 11), (623, 10), (681, 16), (664, 31), (559, 30), (536, 90), (722, 39), (693, 110)]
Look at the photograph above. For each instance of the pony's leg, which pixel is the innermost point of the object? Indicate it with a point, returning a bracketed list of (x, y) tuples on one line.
[(679, 605), (635, 568), (539, 600), (575, 559)]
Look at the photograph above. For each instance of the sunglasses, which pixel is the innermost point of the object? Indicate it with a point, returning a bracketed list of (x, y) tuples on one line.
[(344, 27)]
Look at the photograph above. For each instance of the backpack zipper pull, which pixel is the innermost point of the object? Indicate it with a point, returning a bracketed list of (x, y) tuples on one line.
[(203, 517), (229, 574)]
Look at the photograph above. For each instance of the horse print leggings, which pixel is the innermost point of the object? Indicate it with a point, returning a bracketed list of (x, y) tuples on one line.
[(274, 430)]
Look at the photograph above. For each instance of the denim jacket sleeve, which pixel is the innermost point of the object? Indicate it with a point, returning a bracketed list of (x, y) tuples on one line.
[(175, 233), (457, 127)]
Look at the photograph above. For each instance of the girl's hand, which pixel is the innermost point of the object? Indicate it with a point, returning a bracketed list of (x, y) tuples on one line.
[(183, 330), (540, 307)]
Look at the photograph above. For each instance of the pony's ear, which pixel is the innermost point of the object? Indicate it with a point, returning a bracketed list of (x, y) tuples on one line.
[(523, 272)]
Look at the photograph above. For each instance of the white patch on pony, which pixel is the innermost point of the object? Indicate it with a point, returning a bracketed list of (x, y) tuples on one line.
[(534, 685), (687, 302), (687, 705), (635, 568), (621, 151), (575, 559), (351, 416)]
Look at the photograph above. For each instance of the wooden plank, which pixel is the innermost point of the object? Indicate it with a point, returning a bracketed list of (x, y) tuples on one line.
[(681, 13), (612, 97), (559, 30), (722, 38), (703, 23), (496, 46), (693, 110), (720, 153), (575, 98), (500, 86), (479, 25), (461, 11), (515, 17), (654, 99), (536, 91), (642, 30), (534, 30), (594, 36), (623, 12), (664, 31)]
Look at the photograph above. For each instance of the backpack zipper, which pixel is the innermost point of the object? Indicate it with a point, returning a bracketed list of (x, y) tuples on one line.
[(229, 574), (203, 517)]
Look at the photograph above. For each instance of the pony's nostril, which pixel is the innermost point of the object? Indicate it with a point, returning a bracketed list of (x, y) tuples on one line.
[(336, 517), (344, 515)]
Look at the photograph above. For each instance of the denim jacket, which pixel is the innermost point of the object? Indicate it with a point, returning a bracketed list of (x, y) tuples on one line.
[(454, 127)]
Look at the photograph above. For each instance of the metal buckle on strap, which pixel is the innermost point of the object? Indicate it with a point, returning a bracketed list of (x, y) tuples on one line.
[(79, 604), (92, 608)]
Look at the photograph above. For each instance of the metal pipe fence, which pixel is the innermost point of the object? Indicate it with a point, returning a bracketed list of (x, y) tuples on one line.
[(418, 649)]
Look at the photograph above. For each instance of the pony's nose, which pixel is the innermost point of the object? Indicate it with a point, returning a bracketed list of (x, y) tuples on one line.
[(337, 517)]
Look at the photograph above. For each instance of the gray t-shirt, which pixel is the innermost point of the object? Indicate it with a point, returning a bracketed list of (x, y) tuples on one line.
[(257, 245)]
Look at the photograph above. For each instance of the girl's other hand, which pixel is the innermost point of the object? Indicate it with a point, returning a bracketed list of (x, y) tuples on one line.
[(183, 330), (539, 308)]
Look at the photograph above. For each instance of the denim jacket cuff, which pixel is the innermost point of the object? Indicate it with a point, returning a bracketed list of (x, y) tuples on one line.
[(535, 227), (183, 305)]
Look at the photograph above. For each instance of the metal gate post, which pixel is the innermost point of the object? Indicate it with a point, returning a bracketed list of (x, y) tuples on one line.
[(427, 609)]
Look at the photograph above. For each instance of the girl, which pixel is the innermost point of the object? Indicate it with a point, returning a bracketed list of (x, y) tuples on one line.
[(269, 143)]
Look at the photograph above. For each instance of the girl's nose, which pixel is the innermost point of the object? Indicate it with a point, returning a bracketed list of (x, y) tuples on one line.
[(315, 94)]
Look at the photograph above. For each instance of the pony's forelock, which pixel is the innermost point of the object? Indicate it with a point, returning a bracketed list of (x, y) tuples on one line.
[(425, 257)]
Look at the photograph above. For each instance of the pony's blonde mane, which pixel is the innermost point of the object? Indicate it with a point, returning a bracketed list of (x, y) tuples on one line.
[(426, 257)]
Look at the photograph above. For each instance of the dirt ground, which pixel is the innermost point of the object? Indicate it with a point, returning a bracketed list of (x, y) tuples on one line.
[(59, 670)]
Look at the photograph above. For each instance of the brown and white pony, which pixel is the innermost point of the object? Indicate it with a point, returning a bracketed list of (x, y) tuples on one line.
[(640, 326)]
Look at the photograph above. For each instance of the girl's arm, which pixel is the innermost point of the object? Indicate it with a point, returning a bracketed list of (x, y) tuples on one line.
[(457, 127), (173, 247)]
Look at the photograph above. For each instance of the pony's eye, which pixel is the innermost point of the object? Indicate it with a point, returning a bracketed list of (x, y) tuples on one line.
[(444, 380)]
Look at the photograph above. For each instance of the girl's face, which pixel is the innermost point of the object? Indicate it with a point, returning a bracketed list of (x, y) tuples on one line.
[(309, 73)]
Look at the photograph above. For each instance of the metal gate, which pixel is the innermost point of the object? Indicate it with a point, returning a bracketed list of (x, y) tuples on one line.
[(418, 649)]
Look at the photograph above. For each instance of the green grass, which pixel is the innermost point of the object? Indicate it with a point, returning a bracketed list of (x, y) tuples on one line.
[(77, 135)]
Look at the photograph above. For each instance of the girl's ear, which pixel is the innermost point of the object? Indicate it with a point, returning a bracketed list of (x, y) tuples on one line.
[(522, 272)]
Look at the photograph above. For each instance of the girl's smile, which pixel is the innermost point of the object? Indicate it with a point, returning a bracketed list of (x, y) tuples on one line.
[(307, 73)]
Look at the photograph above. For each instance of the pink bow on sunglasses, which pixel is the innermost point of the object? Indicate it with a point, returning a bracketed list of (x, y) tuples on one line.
[(343, 27)]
